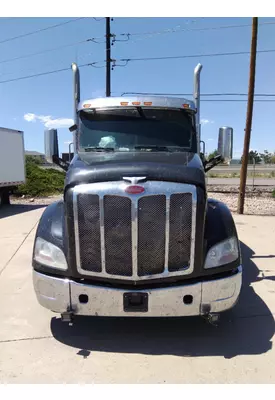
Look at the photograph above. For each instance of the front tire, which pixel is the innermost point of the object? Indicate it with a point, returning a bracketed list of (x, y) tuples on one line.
[(5, 197)]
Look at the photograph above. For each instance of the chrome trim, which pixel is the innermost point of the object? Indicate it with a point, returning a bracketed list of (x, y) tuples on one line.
[(133, 179), (58, 295), (102, 234), (134, 210), (76, 231), (157, 102), (167, 234), (118, 189)]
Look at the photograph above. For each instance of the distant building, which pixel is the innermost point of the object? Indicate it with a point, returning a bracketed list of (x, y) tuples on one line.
[(36, 154)]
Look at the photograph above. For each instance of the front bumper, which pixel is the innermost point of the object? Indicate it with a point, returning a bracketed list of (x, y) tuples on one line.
[(62, 295)]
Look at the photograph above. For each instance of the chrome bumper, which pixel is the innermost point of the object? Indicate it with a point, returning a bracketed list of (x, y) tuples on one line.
[(61, 295)]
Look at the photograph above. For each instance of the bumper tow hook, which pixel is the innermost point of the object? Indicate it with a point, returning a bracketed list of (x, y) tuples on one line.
[(67, 317), (213, 318)]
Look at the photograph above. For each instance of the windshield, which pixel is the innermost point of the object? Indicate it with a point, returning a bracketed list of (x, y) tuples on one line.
[(137, 129)]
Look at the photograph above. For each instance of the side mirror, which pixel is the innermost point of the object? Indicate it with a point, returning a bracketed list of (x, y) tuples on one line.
[(73, 128), (225, 143), (51, 145)]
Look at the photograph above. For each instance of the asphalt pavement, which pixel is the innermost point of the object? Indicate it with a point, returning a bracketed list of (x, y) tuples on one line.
[(36, 347)]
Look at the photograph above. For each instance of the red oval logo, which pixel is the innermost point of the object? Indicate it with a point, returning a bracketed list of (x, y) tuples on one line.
[(134, 189)]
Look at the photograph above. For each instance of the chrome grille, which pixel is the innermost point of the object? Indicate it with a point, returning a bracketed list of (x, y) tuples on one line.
[(151, 234), (180, 231), (89, 232), (135, 237), (118, 238)]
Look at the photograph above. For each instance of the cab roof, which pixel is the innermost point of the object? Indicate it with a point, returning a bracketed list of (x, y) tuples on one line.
[(138, 101)]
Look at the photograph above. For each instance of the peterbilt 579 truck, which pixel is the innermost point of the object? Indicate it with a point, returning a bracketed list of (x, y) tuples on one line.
[(135, 233)]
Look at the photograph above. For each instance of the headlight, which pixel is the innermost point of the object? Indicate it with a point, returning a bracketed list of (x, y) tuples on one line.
[(222, 253), (48, 254)]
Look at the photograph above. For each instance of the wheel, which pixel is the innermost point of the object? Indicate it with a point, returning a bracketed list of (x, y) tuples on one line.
[(5, 197)]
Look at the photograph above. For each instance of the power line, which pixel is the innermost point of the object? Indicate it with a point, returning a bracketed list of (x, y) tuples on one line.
[(175, 30), (51, 65), (42, 74), (140, 59), (191, 94), (193, 56), (238, 100), (46, 51), (40, 30)]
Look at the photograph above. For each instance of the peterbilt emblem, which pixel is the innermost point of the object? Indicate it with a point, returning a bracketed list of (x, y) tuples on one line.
[(134, 179), (134, 189)]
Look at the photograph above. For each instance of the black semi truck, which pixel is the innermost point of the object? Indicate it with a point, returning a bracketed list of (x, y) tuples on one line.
[(135, 233)]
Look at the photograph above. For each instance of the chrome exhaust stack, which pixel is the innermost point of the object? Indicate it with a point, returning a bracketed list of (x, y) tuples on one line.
[(196, 96)]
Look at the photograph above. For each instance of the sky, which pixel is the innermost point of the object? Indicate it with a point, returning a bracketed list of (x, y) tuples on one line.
[(37, 103)]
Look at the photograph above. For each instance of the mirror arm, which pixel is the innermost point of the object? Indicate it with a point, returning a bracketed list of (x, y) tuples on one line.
[(62, 164), (213, 162)]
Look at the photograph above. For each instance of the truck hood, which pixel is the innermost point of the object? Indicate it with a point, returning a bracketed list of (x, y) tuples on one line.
[(184, 167)]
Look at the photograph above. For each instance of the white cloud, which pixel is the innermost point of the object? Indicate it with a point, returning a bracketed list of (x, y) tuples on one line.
[(206, 121), (48, 121), (209, 139), (59, 123), (30, 117)]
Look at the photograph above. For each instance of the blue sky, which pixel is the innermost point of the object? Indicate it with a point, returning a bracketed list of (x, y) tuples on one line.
[(30, 104)]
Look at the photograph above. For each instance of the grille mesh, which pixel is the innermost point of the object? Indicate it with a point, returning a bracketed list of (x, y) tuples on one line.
[(180, 231), (118, 235), (89, 232), (151, 234)]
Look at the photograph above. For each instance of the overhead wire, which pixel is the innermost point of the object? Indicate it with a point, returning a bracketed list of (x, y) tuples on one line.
[(175, 30), (40, 30), (42, 74), (46, 51), (193, 56), (93, 64), (191, 94), (52, 64), (95, 39)]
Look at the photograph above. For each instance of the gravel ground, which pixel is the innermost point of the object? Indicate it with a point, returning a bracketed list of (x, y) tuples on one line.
[(256, 202)]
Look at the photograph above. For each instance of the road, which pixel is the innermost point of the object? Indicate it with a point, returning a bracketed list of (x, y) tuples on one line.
[(236, 168), (236, 181), (35, 347)]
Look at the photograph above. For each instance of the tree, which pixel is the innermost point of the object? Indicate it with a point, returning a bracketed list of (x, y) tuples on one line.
[(253, 154), (212, 155), (267, 157)]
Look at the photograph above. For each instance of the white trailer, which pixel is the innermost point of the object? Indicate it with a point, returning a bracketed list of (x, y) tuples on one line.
[(12, 162)]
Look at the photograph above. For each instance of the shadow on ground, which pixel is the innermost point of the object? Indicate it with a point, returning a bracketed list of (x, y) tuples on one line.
[(246, 329), (14, 209)]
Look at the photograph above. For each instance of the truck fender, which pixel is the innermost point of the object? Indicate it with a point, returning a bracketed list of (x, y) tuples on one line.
[(51, 224), (219, 223)]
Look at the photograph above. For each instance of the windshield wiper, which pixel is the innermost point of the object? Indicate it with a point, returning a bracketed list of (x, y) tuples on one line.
[(151, 147), (160, 148), (102, 149)]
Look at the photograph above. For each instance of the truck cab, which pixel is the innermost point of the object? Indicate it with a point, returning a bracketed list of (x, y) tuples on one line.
[(135, 233)]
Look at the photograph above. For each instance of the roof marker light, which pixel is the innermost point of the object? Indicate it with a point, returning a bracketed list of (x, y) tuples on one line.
[(147, 103), (124, 103)]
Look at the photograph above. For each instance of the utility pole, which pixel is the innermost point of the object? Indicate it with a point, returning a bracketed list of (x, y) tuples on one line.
[(249, 114), (108, 57)]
